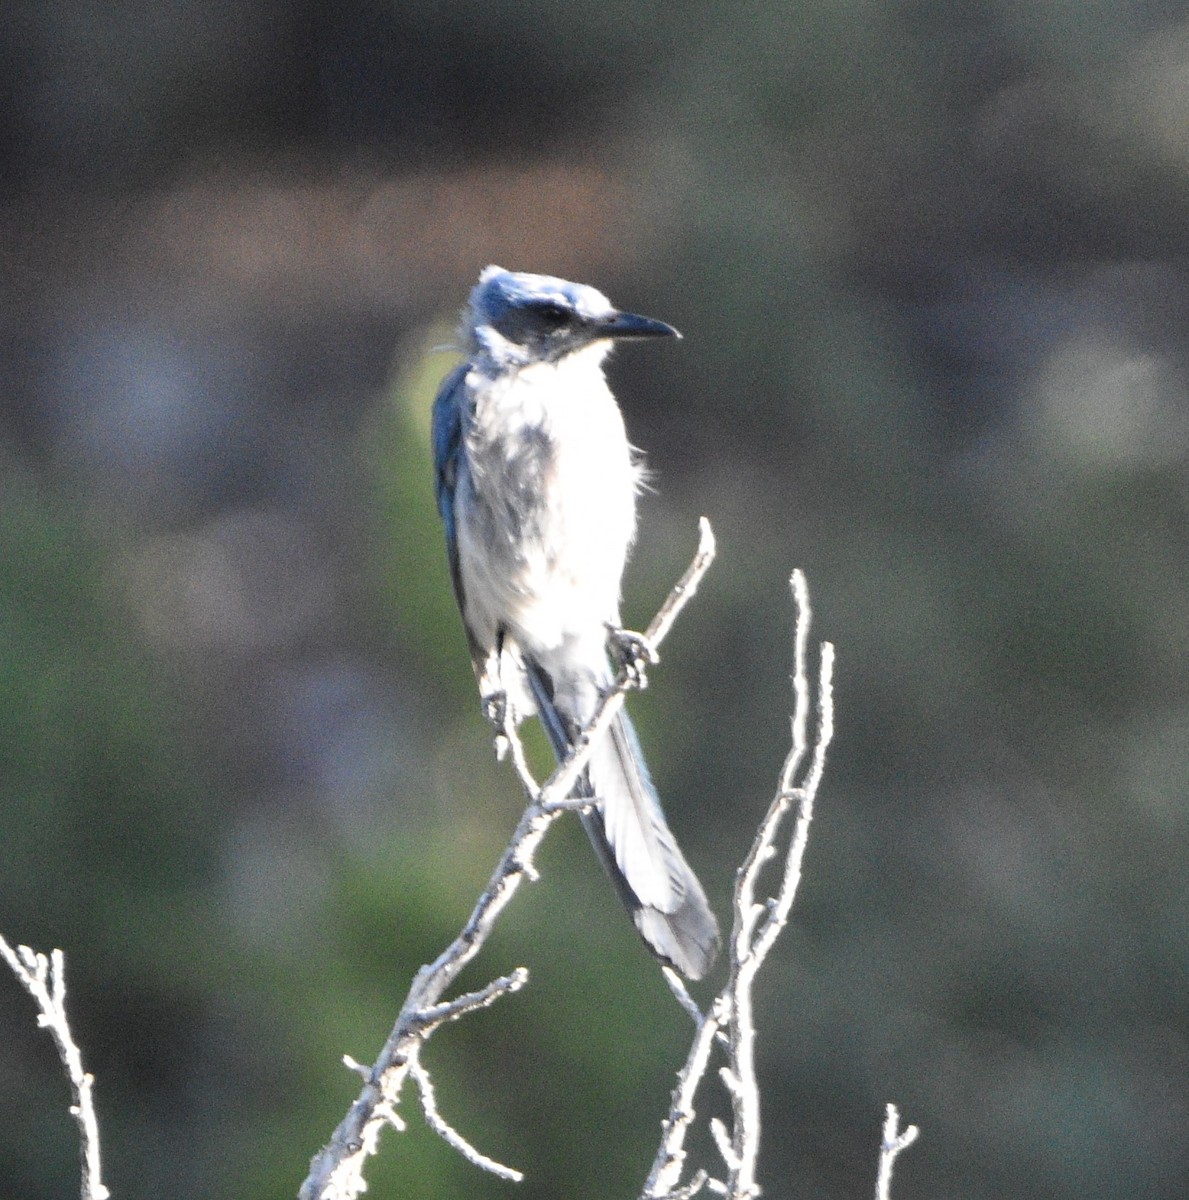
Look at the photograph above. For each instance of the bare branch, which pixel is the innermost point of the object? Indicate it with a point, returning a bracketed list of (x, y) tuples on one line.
[(685, 588), (336, 1172), (800, 719), (45, 980), (665, 1177), (509, 738), (681, 992), (757, 925), (894, 1141), (448, 1133), (695, 1185), (485, 997), (749, 948)]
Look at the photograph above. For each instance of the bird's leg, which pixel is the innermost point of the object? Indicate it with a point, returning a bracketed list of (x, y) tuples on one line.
[(495, 709), (494, 697), (633, 654)]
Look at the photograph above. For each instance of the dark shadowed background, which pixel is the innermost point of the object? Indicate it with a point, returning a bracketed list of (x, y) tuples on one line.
[(931, 262)]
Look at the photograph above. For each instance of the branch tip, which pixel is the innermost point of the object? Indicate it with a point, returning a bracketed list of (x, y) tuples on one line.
[(894, 1141), (44, 978), (758, 922)]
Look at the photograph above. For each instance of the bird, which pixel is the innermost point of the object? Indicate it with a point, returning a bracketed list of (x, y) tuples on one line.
[(536, 484)]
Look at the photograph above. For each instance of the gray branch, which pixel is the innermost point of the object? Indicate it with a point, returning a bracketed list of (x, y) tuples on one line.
[(729, 1020), (337, 1171), (45, 980), (448, 1133), (893, 1142)]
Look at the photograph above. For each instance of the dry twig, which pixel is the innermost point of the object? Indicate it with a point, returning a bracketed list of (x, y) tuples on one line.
[(45, 980), (894, 1140), (729, 1021), (336, 1171), (756, 927)]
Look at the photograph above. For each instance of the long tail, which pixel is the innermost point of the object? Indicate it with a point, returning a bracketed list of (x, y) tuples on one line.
[(630, 835)]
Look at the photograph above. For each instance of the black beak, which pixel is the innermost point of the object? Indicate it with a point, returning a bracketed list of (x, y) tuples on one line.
[(629, 325)]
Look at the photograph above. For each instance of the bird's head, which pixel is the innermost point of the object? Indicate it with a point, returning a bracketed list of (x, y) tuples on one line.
[(517, 319)]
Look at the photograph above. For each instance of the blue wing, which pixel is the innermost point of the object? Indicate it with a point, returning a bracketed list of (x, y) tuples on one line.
[(447, 447), (449, 411)]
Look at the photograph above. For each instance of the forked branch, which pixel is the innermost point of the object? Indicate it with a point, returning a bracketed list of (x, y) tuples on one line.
[(337, 1171), (44, 978), (729, 1021), (728, 1024)]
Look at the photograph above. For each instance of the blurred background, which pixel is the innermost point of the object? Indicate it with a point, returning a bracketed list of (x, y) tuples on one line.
[(931, 262)]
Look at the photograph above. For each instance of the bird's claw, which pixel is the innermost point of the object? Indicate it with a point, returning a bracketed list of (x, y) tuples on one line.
[(495, 709), (634, 654)]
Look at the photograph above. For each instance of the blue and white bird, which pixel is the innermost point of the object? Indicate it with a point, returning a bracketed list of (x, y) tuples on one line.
[(536, 484)]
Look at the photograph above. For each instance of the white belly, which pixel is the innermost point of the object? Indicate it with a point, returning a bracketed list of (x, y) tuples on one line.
[(551, 512)]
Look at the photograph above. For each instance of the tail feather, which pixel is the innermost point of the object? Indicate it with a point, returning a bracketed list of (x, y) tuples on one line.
[(636, 846)]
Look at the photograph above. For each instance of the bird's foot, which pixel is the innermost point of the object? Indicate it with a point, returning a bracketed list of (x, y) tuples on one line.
[(633, 654), (498, 714)]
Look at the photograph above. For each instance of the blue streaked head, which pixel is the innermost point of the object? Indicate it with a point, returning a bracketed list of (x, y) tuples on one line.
[(517, 318)]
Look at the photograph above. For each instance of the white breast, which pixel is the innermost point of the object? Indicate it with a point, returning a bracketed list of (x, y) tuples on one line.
[(553, 510)]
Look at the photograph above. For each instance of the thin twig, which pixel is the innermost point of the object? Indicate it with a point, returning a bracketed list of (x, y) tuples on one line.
[(681, 992), (45, 980), (448, 1133), (800, 719), (336, 1171), (778, 913), (695, 1185), (756, 927), (893, 1142), (665, 1177), (438, 1014), (750, 946)]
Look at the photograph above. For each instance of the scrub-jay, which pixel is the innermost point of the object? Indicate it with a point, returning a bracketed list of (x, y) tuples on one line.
[(536, 484)]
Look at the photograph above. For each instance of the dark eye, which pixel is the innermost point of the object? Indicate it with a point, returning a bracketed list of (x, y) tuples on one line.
[(552, 315)]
